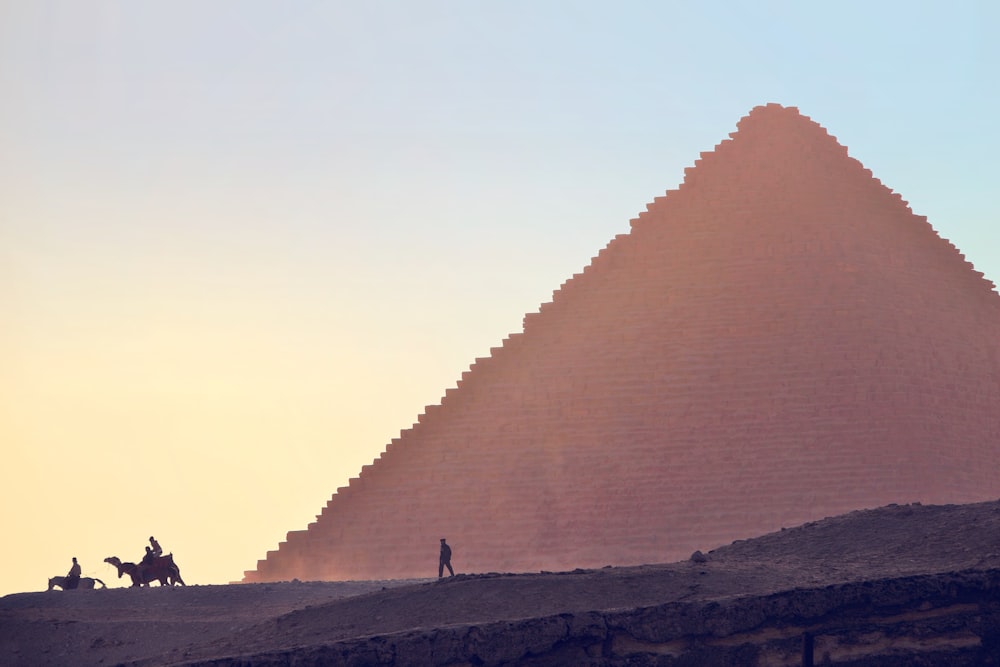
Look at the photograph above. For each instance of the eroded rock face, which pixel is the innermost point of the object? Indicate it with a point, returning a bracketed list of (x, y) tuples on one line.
[(948, 620), (777, 340)]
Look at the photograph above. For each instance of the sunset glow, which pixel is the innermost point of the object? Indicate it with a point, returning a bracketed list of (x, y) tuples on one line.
[(242, 246)]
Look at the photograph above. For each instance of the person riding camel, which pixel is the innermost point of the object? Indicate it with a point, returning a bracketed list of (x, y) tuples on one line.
[(73, 577), (154, 546), (148, 558)]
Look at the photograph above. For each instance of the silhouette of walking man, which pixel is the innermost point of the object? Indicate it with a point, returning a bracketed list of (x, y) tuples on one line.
[(73, 578), (445, 559)]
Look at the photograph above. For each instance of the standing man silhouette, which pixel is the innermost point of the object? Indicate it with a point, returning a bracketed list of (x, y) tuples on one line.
[(445, 559)]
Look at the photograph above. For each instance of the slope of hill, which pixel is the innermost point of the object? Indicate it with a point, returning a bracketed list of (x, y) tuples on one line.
[(871, 587)]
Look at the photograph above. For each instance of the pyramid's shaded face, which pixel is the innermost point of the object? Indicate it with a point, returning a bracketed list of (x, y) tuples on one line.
[(778, 340)]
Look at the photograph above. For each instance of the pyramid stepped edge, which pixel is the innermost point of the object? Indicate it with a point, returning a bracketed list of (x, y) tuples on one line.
[(776, 340)]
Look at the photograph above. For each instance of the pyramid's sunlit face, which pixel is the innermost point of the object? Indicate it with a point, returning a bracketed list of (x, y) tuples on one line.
[(767, 347)]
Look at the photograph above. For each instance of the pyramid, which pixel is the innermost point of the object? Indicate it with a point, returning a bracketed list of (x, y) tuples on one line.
[(778, 340)]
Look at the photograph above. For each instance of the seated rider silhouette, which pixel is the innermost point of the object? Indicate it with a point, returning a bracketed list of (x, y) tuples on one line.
[(73, 578), (148, 558), (154, 546)]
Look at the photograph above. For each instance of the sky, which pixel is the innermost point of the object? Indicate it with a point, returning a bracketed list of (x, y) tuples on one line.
[(243, 244)]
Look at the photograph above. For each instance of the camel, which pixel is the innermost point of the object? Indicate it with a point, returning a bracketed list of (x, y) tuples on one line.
[(85, 583), (161, 568)]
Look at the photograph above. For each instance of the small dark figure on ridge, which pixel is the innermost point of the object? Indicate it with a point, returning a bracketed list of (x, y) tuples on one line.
[(445, 560)]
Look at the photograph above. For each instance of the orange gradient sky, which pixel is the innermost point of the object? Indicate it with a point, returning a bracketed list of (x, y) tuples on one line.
[(243, 244)]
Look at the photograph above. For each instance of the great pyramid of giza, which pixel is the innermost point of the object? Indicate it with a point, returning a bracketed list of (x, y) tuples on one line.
[(778, 340)]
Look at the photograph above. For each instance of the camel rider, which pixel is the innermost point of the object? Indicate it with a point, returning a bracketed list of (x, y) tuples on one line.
[(154, 546), (148, 558), (73, 577)]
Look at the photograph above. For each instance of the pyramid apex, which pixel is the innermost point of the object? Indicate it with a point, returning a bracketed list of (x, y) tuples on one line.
[(773, 119), (773, 107), (773, 111)]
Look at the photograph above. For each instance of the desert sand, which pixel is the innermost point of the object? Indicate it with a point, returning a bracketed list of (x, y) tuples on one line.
[(230, 624)]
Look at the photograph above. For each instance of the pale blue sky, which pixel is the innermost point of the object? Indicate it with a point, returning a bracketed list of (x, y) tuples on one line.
[(232, 230)]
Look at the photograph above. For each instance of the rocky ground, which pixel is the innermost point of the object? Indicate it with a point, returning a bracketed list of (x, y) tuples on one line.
[(283, 622)]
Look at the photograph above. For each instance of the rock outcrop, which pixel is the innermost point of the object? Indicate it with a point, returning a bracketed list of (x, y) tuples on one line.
[(948, 620)]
